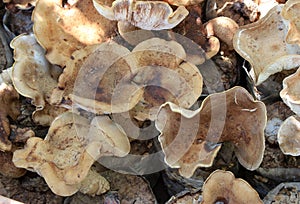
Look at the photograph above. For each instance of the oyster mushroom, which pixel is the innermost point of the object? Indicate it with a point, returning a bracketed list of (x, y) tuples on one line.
[(222, 187), (147, 15), (263, 44), (31, 72), (62, 27), (289, 136), (291, 12), (191, 139), (68, 151), (290, 93)]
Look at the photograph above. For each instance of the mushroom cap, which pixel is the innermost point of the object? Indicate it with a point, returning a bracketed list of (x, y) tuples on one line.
[(290, 93), (147, 15), (230, 116), (267, 50), (221, 186), (291, 12), (109, 89), (46, 116), (289, 136), (62, 28), (31, 72)]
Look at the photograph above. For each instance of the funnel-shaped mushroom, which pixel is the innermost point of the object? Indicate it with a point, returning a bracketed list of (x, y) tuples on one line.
[(190, 138), (223, 187), (263, 44), (31, 72), (290, 93), (289, 136), (147, 15), (62, 28), (291, 12)]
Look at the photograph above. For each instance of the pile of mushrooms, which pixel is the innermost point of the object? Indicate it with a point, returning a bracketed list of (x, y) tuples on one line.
[(77, 75)]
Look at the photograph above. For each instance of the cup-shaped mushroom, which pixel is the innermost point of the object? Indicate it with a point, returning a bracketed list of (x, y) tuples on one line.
[(190, 137), (222, 187), (263, 44), (31, 72), (290, 93), (291, 12), (62, 28), (289, 136), (147, 15)]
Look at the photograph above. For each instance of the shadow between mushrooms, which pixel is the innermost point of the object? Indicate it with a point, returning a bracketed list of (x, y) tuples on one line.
[(191, 139), (147, 15)]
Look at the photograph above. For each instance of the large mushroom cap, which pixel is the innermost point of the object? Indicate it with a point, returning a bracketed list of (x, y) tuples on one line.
[(223, 187), (289, 136), (230, 116), (63, 27), (290, 93), (147, 15), (264, 45)]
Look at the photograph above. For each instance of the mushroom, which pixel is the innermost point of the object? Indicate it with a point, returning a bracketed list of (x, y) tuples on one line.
[(172, 79), (223, 28), (289, 136), (290, 93), (68, 151), (147, 15), (190, 138), (109, 89), (31, 72), (222, 187), (62, 27), (267, 50), (184, 2), (9, 100), (47, 115), (291, 12)]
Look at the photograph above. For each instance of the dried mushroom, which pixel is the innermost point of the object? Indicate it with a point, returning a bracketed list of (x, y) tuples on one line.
[(147, 15), (289, 136), (63, 27), (222, 187), (47, 115), (263, 44), (291, 12), (184, 2), (104, 86), (191, 139), (290, 93), (31, 72), (172, 79)]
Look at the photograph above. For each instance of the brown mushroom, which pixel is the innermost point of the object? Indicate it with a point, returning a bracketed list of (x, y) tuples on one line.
[(222, 187), (147, 15), (47, 115), (189, 137), (62, 27), (290, 93), (291, 12), (263, 44), (184, 2), (31, 72), (289, 136)]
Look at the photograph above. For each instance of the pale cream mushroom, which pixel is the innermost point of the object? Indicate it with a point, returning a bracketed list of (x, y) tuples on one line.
[(290, 93), (32, 73), (289, 136), (222, 187), (264, 45), (147, 15), (191, 139), (291, 12), (62, 27)]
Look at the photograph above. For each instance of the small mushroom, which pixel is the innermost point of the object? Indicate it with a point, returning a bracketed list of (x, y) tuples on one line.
[(47, 115), (222, 187), (190, 138), (267, 50), (291, 12), (31, 72), (289, 136), (184, 2), (290, 93), (147, 15), (62, 27)]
